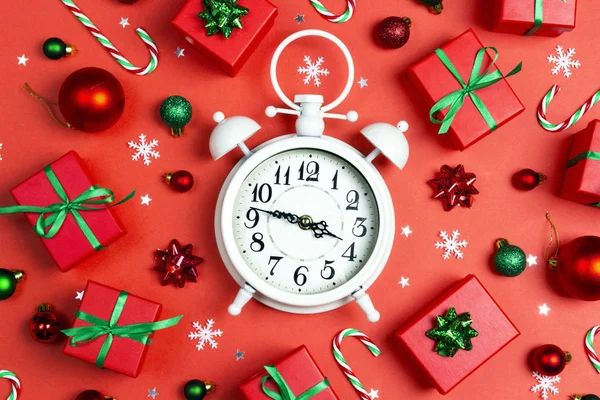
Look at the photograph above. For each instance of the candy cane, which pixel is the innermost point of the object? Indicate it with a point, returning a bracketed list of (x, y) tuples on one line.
[(112, 49), (547, 125), (16, 384), (589, 347), (332, 17), (337, 341)]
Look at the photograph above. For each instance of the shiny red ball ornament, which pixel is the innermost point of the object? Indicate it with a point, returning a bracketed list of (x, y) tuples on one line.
[(528, 179), (181, 181), (393, 32), (91, 99), (45, 327), (92, 395), (550, 360), (578, 268)]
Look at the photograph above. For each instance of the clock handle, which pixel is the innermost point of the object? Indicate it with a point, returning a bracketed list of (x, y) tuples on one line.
[(242, 298), (364, 302)]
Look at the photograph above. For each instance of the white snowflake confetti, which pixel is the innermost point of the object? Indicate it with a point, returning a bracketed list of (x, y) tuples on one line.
[(205, 334), (144, 150), (545, 385), (564, 62), (313, 70), (451, 244)]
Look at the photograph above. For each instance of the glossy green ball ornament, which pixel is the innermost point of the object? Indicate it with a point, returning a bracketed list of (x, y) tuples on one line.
[(509, 260), (8, 282), (54, 48), (176, 112), (196, 389), (586, 397)]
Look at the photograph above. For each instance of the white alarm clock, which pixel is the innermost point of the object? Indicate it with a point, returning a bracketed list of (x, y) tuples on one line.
[(304, 222)]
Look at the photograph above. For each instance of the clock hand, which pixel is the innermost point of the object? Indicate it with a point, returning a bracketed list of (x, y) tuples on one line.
[(320, 229), (289, 217), (305, 222)]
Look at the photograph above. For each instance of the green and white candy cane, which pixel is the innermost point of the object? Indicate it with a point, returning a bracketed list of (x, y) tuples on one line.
[(577, 115), (329, 16), (150, 45), (16, 384), (589, 347), (339, 357)]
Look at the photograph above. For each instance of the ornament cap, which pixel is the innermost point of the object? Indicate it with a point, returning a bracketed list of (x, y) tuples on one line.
[(568, 357), (45, 307), (408, 21), (19, 275), (168, 178), (500, 243), (209, 386), (176, 132), (70, 50)]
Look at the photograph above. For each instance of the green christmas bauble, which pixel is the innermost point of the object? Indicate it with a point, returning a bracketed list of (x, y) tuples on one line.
[(176, 112), (590, 397), (54, 48), (196, 389), (509, 260), (8, 282)]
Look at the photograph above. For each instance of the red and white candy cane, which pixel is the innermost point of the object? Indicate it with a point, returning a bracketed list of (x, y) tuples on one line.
[(16, 384), (547, 125), (589, 347), (329, 16), (337, 341), (112, 49)]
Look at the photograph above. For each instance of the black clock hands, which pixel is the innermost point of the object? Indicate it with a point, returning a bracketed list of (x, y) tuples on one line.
[(305, 222)]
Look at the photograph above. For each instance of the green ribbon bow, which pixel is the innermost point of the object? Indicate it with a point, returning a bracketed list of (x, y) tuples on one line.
[(538, 17), (285, 391), (455, 100), (52, 217), (453, 333), (586, 155), (138, 332), (222, 16)]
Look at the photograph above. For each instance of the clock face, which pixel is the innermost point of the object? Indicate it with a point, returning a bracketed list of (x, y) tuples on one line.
[(305, 221)]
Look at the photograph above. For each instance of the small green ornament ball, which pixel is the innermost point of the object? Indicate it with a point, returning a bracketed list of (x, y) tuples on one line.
[(176, 112), (55, 49), (8, 282), (590, 397), (196, 389), (509, 260)]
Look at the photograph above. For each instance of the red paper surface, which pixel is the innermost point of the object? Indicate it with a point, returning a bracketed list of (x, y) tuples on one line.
[(582, 181), (70, 246), (517, 16), (434, 81), (494, 327), (230, 54), (125, 355), (299, 370)]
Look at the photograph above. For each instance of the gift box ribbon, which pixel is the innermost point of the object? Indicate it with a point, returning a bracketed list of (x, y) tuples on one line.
[(139, 332), (285, 393), (586, 155), (455, 100), (538, 17), (52, 217)]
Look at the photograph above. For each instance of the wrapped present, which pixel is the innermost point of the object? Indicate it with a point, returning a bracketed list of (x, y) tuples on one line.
[(229, 44), (112, 329), (69, 213), (534, 17), (582, 178), (295, 376), (457, 333), (461, 84)]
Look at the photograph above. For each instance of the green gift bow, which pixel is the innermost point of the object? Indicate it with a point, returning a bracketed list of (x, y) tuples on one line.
[(222, 16), (285, 391), (589, 155), (456, 99), (138, 332), (452, 333), (52, 217)]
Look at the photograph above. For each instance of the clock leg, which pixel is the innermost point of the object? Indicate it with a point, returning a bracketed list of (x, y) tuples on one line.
[(364, 302), (242, 298)]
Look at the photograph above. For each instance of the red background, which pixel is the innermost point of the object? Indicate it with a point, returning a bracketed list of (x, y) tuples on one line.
[(31, 140)]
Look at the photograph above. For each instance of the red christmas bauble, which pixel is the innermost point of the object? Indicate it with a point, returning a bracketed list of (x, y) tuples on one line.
[(578, 268), (91, 99), (90, 395), (181, 181), (393, 32), (550, 359), (528, 179), (45, 327)]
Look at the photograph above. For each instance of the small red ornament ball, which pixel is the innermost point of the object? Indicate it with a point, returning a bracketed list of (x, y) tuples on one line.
[(90, 395), (578, 268), (393, 32), (45, 327), (528, 179), (181, 181), (550, 359), (91, 99)]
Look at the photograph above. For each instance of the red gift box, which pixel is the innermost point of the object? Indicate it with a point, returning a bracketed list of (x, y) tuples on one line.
[(125, 355), (582, 179), (70, 245), (300, 372), (434, 81), (518, 16), (230, 54), (494, 327)]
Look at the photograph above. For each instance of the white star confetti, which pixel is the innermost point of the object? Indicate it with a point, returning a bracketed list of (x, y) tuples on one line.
[(124, 22), (404, 282), (363, 82), (144, 150), (545, 385), (544, 309), (406, 231), (239, 355), (152, 393), (22, 60), (79, 295), (373, 394), (179, 52), (532, 260), (564, 62), (146, 200), (205, 334), (451, 244), (312, 71)]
